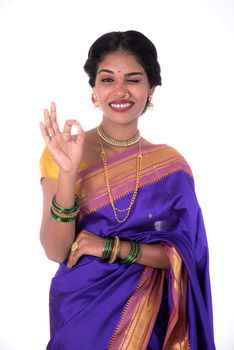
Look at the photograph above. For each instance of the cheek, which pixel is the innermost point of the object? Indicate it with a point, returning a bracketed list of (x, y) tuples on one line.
[(142, 98), (142, 101), (101, 93)]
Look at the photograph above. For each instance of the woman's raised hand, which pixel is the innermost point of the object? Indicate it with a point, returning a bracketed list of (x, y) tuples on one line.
[(66, 149)]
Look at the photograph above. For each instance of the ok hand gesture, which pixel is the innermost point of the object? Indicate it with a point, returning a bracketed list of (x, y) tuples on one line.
[(66, 149)]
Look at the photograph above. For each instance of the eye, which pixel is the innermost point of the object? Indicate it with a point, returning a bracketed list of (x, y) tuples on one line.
[(107, 80), (133, 80)]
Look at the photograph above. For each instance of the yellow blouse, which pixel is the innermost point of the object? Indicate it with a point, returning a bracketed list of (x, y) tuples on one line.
[(49, 168)]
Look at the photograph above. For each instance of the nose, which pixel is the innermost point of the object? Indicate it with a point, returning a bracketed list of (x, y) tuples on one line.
[(121, 91)]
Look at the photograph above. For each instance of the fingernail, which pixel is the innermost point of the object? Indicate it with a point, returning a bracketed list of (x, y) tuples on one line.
[(80, 127)]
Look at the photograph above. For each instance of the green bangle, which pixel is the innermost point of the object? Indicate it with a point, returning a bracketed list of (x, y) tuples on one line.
[(60, 219), (133, 255), (107, 250), (137, 253), (63, 215), (62, 210), (128, 257), (110, 248)]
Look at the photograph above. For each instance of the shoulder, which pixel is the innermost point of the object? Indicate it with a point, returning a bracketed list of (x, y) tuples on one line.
[(166, 157)]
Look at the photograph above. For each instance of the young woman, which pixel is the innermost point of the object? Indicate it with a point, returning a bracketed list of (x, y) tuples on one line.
[(121, 217)]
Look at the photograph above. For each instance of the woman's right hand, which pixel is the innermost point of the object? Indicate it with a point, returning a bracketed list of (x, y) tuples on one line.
[(66, 149)]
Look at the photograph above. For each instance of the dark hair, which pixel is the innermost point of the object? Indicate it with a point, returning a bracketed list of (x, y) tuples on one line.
[(131, 41)]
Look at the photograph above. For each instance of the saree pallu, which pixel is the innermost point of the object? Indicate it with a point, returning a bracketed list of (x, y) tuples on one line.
[(100, 306)]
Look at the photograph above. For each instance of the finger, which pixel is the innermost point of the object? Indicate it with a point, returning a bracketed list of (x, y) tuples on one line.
[(48, 123), (80, 135), (74, 254), (53, 114), (73, 259), (44, 132), (68, 125)]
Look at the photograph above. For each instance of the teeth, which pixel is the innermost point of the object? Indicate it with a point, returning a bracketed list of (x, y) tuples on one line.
[(120, 105)]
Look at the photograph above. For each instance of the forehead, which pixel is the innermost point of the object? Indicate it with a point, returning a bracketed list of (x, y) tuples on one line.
[(121, 62)]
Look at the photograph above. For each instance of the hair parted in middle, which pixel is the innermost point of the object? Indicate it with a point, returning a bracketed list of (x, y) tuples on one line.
[(130, 41)]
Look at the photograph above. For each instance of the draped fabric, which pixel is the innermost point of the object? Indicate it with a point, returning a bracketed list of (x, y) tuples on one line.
[(100, 306)]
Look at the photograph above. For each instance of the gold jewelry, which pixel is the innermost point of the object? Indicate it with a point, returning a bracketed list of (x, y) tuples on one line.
[(106, 175), (115, 251), (126, 96), (149, 103), (118, 143), (94, 100), (63, 215), (74, 247)]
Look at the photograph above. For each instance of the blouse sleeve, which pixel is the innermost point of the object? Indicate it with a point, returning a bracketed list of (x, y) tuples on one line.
[(48, 167)]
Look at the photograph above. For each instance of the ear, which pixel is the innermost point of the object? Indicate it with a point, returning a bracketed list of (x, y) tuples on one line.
[(94, 98), (151, 90)]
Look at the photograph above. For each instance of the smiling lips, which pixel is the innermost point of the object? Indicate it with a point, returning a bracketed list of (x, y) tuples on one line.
[(120, 105)]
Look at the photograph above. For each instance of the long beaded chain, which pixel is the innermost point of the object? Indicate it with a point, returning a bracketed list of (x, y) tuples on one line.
[(106, 175)]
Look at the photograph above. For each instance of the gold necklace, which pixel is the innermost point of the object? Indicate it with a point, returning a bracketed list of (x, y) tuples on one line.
[(106, 175), (117, 143)]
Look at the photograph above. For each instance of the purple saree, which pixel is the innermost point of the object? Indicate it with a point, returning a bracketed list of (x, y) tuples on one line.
[(102, 306)]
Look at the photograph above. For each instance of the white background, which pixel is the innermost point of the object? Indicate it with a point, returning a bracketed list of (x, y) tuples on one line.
[(43, 46)]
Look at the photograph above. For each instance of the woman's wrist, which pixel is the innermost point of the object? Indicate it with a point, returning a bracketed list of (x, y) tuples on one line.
[(124, 249), (69, 177), (66, 214), (65, 192)]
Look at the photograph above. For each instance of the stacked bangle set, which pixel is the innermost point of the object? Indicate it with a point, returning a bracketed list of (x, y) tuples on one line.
[(64, 215), (134, 253), (112, 248), (112, 245)]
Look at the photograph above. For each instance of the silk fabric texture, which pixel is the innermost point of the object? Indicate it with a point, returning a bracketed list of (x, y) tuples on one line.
[(99, 306)]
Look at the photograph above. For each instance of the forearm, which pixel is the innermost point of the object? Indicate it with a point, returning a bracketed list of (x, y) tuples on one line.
[(152, 255), (57, 237)]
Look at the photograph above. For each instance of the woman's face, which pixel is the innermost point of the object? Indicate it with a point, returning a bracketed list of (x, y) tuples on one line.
[(121, 87)]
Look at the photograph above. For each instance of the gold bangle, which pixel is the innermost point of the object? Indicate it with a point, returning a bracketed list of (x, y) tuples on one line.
[(62, 210), (115, 251), (64, 216)]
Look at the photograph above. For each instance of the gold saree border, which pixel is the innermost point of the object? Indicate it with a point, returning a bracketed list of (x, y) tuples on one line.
[(158, 163), (139, 313), (177, 337)]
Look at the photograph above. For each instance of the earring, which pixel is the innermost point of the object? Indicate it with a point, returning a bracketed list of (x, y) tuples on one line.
[(94, 100), (149, 103)]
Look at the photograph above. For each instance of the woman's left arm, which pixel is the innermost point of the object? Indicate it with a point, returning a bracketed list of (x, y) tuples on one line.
[(152, 255)]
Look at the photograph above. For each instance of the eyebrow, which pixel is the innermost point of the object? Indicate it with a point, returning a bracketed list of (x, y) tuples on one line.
[(127, 74)]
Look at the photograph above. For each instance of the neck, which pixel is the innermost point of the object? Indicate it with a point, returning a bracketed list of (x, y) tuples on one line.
[(118, 142), (119, 131)]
